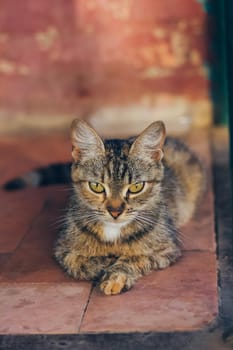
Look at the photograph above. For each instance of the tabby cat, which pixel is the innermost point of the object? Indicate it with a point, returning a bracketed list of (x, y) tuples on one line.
[(129, 199)]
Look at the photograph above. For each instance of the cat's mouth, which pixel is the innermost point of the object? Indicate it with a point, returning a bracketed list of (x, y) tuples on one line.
[(116, 222)]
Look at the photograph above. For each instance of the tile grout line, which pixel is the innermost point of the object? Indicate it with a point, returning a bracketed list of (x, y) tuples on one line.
[(45, 203), (85, 308), (93, 287), (206, 250), (28, 230)]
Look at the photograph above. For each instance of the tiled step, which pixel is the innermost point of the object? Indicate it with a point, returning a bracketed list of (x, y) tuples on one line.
[(182, 297), (37, 297), (42, 308)]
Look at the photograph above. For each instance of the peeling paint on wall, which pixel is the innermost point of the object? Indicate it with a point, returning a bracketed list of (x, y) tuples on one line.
[(9, 67), (47, 38), (180, 44), (195, 58), (155, 72), (3, 38), (118, 9), (121, 49)]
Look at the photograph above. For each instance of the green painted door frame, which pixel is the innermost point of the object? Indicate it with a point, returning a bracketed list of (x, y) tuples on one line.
[(219, 71), (228, 20)]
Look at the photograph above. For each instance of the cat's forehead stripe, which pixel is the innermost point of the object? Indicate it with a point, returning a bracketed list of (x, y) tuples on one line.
[(117, 160), (116, 170), (117, 148)]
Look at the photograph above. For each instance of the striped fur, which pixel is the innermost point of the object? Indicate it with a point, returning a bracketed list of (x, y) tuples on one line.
[(116, 236)]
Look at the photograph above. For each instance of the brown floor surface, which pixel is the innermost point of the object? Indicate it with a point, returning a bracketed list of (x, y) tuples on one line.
[(36, 296)]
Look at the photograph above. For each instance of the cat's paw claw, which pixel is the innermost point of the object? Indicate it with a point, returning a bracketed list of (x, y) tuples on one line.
[(114, 284)]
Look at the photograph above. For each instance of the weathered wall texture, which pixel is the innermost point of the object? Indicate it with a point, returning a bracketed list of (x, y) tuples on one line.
[(60, 58)]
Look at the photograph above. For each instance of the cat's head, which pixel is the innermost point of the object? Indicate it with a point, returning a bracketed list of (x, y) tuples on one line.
[(117, 179)]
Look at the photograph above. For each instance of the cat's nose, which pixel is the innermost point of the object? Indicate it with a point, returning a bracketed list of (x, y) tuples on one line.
[(115, 211)]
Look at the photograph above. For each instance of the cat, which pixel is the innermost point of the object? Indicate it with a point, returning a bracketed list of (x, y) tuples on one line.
[(129, 199)]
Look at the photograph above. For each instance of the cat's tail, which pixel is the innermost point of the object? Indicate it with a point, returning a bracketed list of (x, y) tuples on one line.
[(58, 173)]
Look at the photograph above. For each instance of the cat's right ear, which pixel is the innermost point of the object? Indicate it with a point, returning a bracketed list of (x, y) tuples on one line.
[(149, 144), (86, 143)]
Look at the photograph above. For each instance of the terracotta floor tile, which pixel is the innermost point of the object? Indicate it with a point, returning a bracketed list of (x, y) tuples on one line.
[(21, 153), (4, 258), (32, 261), (36, 309), (47, 148), (18, 210), (15, 157), (20, 165), (182, 297)]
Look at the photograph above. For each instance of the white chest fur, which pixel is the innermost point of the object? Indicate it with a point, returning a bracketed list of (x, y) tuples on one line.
[(112, 231)]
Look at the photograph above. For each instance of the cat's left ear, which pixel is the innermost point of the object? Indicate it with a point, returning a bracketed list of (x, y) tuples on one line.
[(149, 144), (86, 143)]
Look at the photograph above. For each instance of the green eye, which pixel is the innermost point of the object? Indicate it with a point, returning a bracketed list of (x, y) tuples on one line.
[(136, 187), (96, 187)]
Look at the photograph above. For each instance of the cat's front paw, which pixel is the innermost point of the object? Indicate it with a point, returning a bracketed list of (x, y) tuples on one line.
[(115, 283)]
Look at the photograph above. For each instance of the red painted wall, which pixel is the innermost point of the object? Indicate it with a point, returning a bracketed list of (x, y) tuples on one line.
[(64, 56)]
